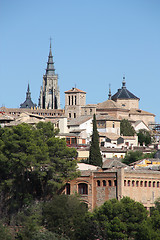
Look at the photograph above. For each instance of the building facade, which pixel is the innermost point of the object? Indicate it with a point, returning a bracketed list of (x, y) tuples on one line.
[(97, 186)]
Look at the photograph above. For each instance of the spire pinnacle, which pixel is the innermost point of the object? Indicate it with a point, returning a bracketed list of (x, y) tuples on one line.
[(109, 94), (28, 93), (50, 64), (123, 82)]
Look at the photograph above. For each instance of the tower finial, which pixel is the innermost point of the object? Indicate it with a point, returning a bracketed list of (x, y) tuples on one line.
[(124, 82), (28, 93), (50, 42), (109, 95)]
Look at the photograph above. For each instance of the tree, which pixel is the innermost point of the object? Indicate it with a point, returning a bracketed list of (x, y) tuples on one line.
[(4, 233), (144, 137), (133, 156), (34, 164), (115, 220), (95, 157), (126, 129), (64, 215)]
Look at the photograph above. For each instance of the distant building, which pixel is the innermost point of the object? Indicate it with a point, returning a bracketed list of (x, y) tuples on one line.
[(49, 93), (75, 99), (115, 180), (125, 98), (122, 105), (28, 102)]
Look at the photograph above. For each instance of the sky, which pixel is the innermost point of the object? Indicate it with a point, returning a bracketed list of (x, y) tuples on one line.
[(94, 43)]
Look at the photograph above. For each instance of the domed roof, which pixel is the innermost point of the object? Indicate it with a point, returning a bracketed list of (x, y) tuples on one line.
[(123, 93), (108, 104)]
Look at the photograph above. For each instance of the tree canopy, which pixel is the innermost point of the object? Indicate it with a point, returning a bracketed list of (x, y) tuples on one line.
[(95, 157), (115, 220), (144, 137), (65, 218), (126, 129), (133, 156), (34, 164)]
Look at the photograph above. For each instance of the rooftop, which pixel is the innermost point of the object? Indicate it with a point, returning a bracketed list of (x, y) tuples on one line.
[(123, 93), (74, 90)]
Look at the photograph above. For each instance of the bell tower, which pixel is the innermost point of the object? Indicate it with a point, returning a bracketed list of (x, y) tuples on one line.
[(75, 99)]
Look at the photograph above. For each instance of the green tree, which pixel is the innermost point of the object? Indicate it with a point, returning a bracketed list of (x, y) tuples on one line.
[(34, 164), (5, 233), (133, 156), (95, 157), (47, 235), (64, 215), (126, 129), (144, 137), (116, 220)]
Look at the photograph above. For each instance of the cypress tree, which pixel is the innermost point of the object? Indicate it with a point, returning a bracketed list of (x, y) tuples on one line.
[(95, 157)]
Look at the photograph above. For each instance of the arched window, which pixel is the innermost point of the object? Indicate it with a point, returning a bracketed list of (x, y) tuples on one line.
[(124, 182), (141, 183), (83, 188), (158, 184), (137, 183), (133, 183), (75, 100), (68, 189), (149, 184), (109, 183), (129, 182), (72, 100), (145, 183), (154, 184), (98, 183), (69, 100), (104, 183)]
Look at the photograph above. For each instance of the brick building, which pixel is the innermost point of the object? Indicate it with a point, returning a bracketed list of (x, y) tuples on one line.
[(115, 180)]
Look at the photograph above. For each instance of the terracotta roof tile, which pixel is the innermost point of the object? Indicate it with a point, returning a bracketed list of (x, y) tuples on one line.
[(73, 90)]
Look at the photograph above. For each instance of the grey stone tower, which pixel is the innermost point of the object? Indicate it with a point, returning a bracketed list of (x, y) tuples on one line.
[(49, 93)]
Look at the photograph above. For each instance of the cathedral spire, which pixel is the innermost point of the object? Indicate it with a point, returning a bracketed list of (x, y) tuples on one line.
[(50, 64)]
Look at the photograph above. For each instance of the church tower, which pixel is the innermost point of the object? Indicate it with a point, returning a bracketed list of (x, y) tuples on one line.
[(49, 93)]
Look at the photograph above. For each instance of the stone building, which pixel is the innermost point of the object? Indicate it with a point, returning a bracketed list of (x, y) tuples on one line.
[(49, 93), (115, 180), (75, 99), (122, 105)]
